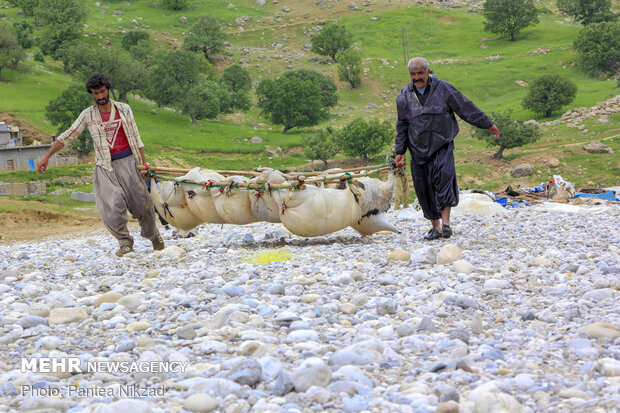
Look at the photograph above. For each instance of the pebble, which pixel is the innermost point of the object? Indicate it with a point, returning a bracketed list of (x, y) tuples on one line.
[(39, 310), (109, 297), (248, 372), (66, 315), (388, 306), (449, 253), (463, 267), (125, 345), (138, 326), (305, 378), (200, 402), (426, 324), (32, 321), (398, 256), (186, 333), (49, 342), (516, 312), (493, 402)]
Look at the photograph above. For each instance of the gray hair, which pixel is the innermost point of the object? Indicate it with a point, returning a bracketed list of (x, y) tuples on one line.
[(417, 61)]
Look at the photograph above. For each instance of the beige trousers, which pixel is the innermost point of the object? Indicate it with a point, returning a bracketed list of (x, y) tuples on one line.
[(118, 191), (401, 192)]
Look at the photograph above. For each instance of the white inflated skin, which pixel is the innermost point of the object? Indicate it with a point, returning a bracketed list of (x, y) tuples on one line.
[(313, 211), (375, 200), (169, 200), (372, 224), (233, 204), (264, 206), (198, 198)]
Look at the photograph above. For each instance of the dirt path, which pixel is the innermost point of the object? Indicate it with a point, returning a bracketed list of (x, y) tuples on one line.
[(20, 221)]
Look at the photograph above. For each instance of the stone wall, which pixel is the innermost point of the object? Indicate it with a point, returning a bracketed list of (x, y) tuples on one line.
[(23, 189)]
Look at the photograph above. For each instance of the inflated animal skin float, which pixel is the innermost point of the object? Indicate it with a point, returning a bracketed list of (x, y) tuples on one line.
[(307, 204)]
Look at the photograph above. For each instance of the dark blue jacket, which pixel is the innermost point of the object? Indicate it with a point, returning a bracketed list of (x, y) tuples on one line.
[(424, 129)]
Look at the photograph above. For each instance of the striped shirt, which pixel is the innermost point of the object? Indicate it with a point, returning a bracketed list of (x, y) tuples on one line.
[(91, 118)]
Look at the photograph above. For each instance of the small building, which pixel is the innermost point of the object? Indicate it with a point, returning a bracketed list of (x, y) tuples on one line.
[(10, 136), (23, 158)]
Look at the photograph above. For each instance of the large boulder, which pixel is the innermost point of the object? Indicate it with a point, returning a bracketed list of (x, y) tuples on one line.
[(524, 169), (597, 147)]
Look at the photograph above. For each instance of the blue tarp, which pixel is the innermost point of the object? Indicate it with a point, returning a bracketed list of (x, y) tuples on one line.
[(504, 202), (607, 196)]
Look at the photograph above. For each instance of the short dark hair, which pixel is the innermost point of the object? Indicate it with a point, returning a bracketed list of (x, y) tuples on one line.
[(96, 81)]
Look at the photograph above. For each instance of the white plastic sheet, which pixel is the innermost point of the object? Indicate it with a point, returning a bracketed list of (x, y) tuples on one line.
[(477, 204)]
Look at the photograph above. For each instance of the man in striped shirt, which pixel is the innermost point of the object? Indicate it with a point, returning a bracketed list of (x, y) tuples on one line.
[(117, 184)]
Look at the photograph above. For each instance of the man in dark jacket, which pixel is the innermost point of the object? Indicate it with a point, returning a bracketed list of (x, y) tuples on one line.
[(427, 126)]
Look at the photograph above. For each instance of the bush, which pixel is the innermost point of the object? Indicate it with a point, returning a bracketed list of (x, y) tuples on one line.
[(365, 139), (131, 38), (39, 56), (238, 82), (548, 93), (11, 53), (514, 133), (23, 31), (174, 4), (598, 48), (320, 146), (350, 67), (587, 11)]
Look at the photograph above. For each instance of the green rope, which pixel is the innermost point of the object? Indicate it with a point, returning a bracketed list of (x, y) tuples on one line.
[(235, 185), (346, 174)]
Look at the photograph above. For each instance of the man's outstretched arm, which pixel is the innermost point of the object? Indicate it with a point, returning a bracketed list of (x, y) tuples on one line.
[(42, 165)]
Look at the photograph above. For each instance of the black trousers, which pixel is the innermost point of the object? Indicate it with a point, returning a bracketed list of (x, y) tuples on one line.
[(435, 182)]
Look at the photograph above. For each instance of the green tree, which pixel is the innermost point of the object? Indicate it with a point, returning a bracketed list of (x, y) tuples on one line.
[(62, 20), (174, 4), (365, 139), (179, 79), (73, 55), (515, 133), (291, 102), (509, 17), (587, 11), (331, 40), (548, 93), (126, 74), (64, 109), (350, 67), (598, 48), (23, 32), (238, 82), (205, 36), (320, 145), (142, 51), (132, 37), (27, 6), (11, 53), (326, 85), (205, 100)]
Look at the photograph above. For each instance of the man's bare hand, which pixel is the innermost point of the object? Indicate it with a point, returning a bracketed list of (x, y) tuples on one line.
[(42, 165), (399, 161), (494, 131)]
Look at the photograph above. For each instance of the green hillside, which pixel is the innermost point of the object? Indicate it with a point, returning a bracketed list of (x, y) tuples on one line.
[(269, 40)]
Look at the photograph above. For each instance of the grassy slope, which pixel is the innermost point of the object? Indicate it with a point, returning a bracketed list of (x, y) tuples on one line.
[(485, 70)]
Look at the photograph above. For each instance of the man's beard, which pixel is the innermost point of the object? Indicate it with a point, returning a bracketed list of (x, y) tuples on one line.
[(103, 102)]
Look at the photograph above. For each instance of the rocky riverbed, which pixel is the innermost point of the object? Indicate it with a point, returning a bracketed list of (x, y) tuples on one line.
[(518, 312)]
